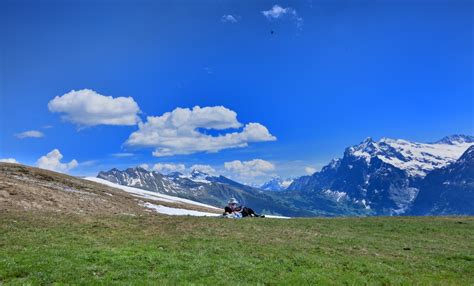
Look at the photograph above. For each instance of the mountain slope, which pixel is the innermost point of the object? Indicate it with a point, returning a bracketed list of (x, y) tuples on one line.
[(449, 190)]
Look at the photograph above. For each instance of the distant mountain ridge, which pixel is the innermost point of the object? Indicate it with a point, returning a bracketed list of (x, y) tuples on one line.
[(276, 184), (456, 139)]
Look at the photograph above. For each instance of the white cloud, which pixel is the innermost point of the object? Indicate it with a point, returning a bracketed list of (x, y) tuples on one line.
[(144, 166), (29, 134), (166, 168), (52, 161), (185, 131), (122, 155), (229, 19), (88, 163), (203, 168), (88, 108), (309, 170), (9, 160), (277, 12), (252, 168)]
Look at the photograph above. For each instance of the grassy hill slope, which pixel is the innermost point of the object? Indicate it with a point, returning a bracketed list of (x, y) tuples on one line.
[(43, 248)]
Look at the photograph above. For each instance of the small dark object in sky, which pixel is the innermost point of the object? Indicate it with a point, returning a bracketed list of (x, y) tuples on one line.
[(272, 32)]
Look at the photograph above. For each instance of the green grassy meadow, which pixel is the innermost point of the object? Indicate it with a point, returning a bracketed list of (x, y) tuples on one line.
[(152, 249)]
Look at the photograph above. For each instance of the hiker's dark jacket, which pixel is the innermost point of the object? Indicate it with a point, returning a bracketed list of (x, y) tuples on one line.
[(244, 210)]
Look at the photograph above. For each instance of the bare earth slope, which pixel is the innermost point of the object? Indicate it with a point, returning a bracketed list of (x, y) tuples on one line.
[(33, 189)]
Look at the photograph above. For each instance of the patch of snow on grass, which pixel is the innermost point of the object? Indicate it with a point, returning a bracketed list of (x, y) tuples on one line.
[(277, 216), (176, 211)]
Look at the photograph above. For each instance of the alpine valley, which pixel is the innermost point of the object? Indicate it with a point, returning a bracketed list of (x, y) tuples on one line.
[(385, 177)]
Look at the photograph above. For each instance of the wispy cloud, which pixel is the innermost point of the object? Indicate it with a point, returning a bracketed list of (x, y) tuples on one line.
[(230, 18), (166, 168), (120, 155), (277, 12), (29, 134), (310, 170)]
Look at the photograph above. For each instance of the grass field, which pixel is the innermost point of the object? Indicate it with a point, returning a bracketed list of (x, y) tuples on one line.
[(43, 249)]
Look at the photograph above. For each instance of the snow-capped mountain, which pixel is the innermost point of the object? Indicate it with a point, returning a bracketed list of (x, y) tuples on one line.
[(449, 190), (201, 187), (456, 139), (415, 158), (382, 177), (276, 184), (173, 183)]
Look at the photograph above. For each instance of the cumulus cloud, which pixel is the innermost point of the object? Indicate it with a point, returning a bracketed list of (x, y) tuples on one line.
[(52, 161), (166, 168), (229, 19), (203, 168), (309, 170), (88, 108), (277, 12), (9, 160), (185, 131), (252, 168), (29, 134)]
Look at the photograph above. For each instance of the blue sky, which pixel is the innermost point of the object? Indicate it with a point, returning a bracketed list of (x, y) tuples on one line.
[(330, 74)]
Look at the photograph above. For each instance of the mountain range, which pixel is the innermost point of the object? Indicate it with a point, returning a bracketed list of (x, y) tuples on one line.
[(201, 187), (385, 177), (276, 184)]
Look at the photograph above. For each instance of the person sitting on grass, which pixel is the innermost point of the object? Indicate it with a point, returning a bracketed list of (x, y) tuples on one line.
[(233, 210)]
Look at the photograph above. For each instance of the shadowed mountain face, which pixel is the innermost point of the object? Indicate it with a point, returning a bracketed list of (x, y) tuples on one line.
[(448, 191), (201, 187)]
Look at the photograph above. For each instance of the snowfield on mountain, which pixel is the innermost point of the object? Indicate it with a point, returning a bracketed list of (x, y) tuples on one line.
[(415, 158)]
